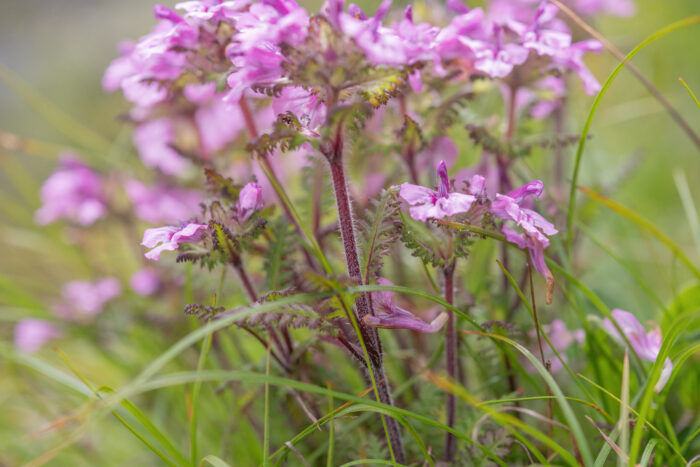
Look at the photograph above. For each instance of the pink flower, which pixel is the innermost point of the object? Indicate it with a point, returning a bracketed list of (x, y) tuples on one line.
[(561, 339), (646, 344), (546, 34), (392, 316), (169, 238), (145, 282), (218, 122), (535, 228), (428, 204), (249, 201), (73, 192), (83, 298), (160, 204), (31, 334), (572, 58), (154, 140), (493, 57)]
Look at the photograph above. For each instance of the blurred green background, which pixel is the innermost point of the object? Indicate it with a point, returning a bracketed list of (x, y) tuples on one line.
[(61, 47)]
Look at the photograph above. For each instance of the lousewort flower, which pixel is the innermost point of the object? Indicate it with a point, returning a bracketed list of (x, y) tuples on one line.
[(249, 201), (31, 334), (72, 192), (394, 317), (145, 282), (159, 204), (428, 204), (169, 238), (84, 298), (535, 227), (562, 338), (646, 344)]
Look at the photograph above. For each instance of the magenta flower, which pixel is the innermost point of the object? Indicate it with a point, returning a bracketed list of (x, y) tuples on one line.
[(159, 204), (145, 282), (572, 58), (646, 344), (493, 57), (249, 201), (562, 338), (546, 34), (535, 228), (85, 298), (73, 192), (154, 140), (218, 122), (31, 334), (428, 204), (392, 316), (169, 238)]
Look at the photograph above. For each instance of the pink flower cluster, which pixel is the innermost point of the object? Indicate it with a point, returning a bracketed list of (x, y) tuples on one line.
[(533, 229), (187, 76), (73, 192)]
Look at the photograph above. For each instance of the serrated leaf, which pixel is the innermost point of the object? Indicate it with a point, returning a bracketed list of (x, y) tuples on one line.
[(378, 232)]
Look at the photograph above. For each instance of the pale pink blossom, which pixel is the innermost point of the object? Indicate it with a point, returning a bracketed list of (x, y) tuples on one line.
[(85, 298), (145, 282), (391, 316), (250, 200), (646, 344), (31, 334), (428, 204), (169, 238)]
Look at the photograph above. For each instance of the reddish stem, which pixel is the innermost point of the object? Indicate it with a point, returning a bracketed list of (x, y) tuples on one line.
[(451, 359)]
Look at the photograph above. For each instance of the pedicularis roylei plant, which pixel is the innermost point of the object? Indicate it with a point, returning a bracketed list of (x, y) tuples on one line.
[(325, 158)]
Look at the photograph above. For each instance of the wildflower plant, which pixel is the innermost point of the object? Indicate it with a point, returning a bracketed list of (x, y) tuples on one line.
[(361, 183)]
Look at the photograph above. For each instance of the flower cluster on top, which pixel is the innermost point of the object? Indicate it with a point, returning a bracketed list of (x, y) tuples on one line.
[(186, 78)]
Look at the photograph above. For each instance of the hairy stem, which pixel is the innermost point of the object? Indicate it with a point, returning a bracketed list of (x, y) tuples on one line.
[(451, 359), (334, 155)]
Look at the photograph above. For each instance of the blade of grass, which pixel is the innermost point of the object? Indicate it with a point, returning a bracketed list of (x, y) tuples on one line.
[(680, 324), (633, 412), (648, 451), (643, 224), (121, 419), (331, 431), (690, 91), (506, 420), (691, 212), (594, 107), (623, 425), (214, 461), (568, 413)]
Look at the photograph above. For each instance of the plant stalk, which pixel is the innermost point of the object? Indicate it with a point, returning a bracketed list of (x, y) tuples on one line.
[(370, 335), (451, 360)]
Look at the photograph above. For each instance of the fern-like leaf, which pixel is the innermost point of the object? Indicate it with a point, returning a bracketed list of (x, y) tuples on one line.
[(379, 230), (278, 262)]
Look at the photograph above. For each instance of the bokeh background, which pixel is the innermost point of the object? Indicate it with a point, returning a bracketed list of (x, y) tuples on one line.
[(57, 51)]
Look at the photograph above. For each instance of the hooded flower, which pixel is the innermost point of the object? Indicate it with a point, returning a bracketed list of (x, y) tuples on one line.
[(160, 204), (646, 344), (428, 204), (392, 316), (169, 238), (562, 338), (31, 334), (84, 298), (249, 201), (145, 282), (535, 228), (73, 192)]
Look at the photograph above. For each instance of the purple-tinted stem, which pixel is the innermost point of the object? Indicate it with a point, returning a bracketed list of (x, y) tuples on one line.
[(334, 154), (451, 359)]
